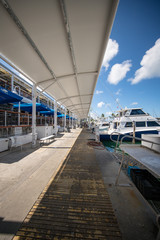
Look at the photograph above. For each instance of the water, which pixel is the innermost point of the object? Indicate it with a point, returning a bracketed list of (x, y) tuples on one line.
[(110, 146)]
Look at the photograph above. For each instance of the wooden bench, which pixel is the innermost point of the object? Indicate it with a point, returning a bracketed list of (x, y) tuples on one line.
[(42, 140)]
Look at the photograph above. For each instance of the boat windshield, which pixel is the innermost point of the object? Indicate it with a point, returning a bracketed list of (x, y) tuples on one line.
[(137, 112)]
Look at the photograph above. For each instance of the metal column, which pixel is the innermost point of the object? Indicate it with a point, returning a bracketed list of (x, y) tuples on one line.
[(89, 121), (34, 93), (12, 83), (69, 119), (55, 117), (19, 110), (72, 120), (5, 118), (65, 119)]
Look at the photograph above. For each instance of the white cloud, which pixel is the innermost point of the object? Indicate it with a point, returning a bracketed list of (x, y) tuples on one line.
[(134, 103), (118, 72), (150, 64), (98, 92), (111, 51), (100, 104), (118, 92)]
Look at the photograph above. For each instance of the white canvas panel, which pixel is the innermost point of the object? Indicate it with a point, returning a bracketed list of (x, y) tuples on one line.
[(61, 39), (89, 21), (43, 22), (16, 48), (86, 84)]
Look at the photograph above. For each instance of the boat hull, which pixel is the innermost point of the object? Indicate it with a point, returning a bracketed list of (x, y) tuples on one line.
[(106, 137)]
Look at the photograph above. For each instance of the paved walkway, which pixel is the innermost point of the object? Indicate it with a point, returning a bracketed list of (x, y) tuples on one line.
[(24, 175), (75, 205), (75, 194)]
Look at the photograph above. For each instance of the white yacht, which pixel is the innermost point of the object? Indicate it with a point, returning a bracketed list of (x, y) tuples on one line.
[(104, 126), (127, 119)]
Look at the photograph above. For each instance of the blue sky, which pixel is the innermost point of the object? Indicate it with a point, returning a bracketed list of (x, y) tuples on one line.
[(130, 74)]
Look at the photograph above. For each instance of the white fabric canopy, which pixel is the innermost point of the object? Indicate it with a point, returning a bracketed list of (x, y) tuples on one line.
[(59, 45)]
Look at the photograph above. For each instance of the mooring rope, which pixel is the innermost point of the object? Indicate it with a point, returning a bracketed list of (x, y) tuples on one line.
[(96, 145)]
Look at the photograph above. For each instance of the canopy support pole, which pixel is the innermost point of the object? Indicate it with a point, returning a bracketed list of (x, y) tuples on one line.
[(69, 119), (72, 120), (12, 83), (65, 119), (19, 110), (34, 93), (89, 121), (55, 117)]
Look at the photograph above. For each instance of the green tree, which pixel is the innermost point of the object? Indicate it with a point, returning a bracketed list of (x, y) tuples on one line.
[(112, 116)]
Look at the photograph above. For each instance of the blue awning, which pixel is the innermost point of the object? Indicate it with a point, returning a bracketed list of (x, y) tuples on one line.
[(62, 115), (7, 96), (28, 107), (49, 113)]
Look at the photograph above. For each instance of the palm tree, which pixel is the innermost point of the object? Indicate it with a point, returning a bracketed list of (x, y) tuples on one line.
[(112, 116)]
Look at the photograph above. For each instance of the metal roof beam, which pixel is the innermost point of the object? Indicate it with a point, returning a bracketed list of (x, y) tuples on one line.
[(66, 76), (75, 96), (77, 105), (67, 26), (80, 109), (29, 39), (27, 36)]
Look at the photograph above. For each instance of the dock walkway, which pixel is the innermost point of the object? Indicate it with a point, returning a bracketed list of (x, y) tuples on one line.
[(24, 175), (149, 158), (75, 204), (66, 190)]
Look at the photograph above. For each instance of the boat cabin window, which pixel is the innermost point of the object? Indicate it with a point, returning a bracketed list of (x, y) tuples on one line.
[(152, 124), (137, 112), (128, 124), (140, 124), (105, 124), (115, 125)]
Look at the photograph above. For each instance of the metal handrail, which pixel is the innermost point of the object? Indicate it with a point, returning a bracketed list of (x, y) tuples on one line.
[(116, 182), (128, 136), (112, 135), (114, 140), (137, 138)]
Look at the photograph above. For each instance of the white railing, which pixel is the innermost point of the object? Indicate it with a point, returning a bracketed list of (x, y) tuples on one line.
[(128, 136)]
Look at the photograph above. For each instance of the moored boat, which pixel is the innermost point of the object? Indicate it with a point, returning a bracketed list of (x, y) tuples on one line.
[(104, 126), (129, 120)]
